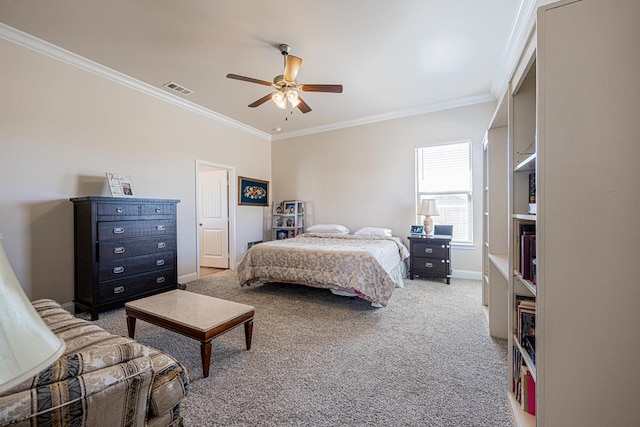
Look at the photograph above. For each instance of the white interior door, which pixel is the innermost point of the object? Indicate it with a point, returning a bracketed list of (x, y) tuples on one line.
[(214, 218)]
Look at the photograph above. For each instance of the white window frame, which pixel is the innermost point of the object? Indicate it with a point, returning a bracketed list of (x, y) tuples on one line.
[(453, 191)]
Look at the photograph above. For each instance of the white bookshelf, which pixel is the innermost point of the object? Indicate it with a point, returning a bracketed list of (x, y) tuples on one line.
[(495, 260), (573, 109)]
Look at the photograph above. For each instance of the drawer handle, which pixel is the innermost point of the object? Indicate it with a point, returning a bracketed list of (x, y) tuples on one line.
[(118, 270), (157, 210), (118, 250), (162, 245), (444, 246), (160, 227), (428, 250), (118, 290), (442, 261), (159, 262), (119, 209), (118, 230), (160, 280), (428, 264)]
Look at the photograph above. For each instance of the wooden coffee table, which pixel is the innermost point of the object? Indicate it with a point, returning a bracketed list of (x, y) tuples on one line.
[(197, 316)]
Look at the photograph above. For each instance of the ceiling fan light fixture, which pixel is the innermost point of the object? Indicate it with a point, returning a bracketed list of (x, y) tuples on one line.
[(293, 98), (279, 99), (286, 95)]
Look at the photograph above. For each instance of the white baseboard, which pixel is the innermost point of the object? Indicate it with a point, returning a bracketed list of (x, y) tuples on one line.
[(465, 274), (188, 278)]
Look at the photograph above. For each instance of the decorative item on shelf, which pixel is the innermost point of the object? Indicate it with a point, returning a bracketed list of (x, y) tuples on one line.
[(279, 209), (252, 192), (428, 208), (27, 345), (289, 207), (281, 234), (279, 222), (289, 222)]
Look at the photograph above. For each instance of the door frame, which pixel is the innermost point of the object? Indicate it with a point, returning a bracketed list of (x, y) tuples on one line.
[(231, 188)]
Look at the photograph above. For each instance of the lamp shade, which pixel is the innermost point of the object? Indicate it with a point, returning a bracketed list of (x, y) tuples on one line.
[(27, 345), (428, 207)]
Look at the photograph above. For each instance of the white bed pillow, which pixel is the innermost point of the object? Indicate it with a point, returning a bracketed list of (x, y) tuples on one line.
[(373, 231), (328, 228)]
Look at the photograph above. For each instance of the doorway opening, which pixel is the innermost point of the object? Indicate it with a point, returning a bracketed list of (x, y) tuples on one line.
[(215, 217)]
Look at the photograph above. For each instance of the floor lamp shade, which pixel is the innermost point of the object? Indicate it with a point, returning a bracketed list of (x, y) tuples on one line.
[(27, 345), (428, 208)]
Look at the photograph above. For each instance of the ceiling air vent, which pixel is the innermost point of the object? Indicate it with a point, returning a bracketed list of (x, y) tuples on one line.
[(176, 87)]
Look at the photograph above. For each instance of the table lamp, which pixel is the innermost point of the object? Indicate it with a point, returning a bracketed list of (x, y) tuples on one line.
[(27, 345), (428, 208)]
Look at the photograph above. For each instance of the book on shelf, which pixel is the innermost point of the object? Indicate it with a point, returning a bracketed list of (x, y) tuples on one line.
[(528, 253), (532, 187), (534, 271), (522, 228), (523, 386), (528, 390), (526, 332)]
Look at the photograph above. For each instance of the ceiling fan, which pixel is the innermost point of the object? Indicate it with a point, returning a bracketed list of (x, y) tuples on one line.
[(287, 94)]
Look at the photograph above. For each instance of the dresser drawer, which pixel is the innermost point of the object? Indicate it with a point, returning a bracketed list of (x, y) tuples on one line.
[(124, 229), (122, 289), (115, 269), (114, 211), (431, 249), (157, 210), (118, 249), (428, 266)]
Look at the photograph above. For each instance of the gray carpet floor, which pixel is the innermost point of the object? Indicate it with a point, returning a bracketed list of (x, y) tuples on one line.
[(318, 359)]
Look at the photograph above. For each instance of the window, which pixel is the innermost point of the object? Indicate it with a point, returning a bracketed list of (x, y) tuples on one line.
[(443, 172)]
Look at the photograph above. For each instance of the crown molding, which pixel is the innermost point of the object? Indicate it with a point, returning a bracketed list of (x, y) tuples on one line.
[(43, 47), (522, 27), (424, 109)]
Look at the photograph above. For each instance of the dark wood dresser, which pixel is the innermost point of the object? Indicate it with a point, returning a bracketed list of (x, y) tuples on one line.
[(430, 256), (125, 248)]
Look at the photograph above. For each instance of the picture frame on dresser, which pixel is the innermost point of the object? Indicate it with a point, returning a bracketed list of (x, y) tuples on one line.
[(119, 185), (417, 230), (253, 192)]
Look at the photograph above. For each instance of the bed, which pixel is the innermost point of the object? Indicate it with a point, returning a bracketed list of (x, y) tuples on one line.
[(369, 267)]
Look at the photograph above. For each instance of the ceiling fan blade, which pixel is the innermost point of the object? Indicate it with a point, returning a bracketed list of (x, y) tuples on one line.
[(321, 88), (291, 68), (248, 79), (303, 106), (261, 101)]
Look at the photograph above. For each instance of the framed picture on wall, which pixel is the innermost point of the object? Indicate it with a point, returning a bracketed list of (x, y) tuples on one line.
[(253, 192)]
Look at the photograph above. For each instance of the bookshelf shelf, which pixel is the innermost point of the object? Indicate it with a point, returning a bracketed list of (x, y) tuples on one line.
[(520, 417), (502, 264), (528, 164), (525, 217), (526, 283)]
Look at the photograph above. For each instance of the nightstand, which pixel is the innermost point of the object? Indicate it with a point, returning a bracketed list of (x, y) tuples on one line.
[(430, 256)]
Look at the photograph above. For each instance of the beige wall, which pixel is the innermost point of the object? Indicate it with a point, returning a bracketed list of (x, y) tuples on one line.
[(365, 175), (62, 128)]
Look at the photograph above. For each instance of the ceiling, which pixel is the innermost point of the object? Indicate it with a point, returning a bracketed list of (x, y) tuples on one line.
[(393, 58)]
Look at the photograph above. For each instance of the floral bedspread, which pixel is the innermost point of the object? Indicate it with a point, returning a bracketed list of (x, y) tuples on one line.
[(366, 266)]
